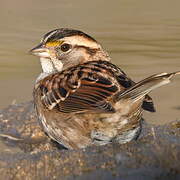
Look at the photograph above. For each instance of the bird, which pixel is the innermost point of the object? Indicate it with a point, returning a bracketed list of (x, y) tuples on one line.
[(82, 99)]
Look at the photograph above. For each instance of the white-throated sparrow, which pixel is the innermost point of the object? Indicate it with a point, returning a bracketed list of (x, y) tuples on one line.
[(81, 98)]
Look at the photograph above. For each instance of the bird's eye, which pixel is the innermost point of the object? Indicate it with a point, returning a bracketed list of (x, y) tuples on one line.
[(65, 47)]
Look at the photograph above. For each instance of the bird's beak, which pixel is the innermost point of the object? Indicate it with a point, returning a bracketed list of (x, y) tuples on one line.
[(40, 51)]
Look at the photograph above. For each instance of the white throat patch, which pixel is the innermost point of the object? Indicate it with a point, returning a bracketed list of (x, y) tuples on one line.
[(46, 65), (51, 65)]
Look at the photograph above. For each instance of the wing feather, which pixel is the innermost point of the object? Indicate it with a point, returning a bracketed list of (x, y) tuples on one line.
[(87, 87)]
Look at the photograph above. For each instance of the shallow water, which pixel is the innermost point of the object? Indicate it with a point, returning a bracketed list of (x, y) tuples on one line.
[(143, 38)]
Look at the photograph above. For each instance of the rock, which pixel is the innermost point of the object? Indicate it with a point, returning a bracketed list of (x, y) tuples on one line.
[(27, 153)]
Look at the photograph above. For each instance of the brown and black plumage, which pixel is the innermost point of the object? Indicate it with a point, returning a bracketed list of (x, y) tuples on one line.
[(82, 99)]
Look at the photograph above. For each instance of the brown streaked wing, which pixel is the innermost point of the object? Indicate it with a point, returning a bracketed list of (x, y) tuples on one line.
[(93, 89), (90, 94)]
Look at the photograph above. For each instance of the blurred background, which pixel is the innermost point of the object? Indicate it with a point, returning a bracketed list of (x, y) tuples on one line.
[(142, 37)]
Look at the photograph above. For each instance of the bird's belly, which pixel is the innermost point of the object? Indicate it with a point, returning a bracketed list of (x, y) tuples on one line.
[(82, 130)]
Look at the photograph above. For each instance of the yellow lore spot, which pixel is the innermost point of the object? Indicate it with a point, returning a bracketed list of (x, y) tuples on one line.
[(53, 43)]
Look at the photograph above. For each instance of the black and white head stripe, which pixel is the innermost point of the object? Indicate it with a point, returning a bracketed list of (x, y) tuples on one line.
[(62, 33)]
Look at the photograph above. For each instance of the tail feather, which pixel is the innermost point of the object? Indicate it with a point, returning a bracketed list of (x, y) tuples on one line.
[(145, 86), (148, 104)]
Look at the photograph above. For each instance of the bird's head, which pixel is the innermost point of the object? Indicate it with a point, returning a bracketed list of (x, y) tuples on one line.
[(63, 48)]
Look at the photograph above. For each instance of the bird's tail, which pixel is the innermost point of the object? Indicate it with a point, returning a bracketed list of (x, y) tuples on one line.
[(140, 89)]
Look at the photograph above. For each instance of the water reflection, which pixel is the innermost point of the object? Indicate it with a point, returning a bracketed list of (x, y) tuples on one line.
[(142, 37)]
